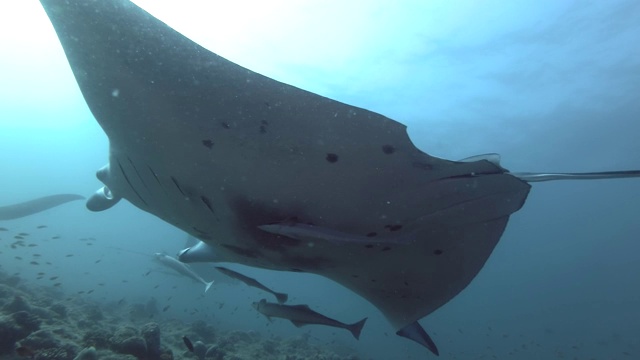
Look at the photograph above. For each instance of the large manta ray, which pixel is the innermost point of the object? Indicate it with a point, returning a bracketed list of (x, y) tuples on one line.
[(269, 175)]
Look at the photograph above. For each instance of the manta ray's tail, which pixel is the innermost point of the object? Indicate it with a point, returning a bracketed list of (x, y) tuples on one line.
[(207, 285), (357, 328), (536, 177)]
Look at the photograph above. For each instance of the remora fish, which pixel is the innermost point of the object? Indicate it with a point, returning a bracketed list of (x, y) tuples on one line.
[(301, 315), (182, 269), (282, 298)]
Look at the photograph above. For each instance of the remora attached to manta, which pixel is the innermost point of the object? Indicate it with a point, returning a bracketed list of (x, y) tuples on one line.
[(269, 175)]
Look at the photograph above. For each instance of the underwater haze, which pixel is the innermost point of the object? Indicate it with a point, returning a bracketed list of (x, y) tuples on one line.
[(552, 86)]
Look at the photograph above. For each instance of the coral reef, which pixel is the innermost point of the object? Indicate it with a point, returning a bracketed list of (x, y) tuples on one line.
[(42, 324)]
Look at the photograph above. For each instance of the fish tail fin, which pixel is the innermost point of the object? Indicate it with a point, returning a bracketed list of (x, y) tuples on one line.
[(282, 297), (357, 328), (207, 286)]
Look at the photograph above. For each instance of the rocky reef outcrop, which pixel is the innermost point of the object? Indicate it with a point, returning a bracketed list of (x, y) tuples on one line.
[(43, 324)]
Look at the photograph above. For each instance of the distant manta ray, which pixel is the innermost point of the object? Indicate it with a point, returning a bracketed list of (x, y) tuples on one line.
[(269, 175), (34, 206)]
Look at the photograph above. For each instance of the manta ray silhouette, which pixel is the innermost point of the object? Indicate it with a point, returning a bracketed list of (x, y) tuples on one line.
[(30, 207), (272, 176)]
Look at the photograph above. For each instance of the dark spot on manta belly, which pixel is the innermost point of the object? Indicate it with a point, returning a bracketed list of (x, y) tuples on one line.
[(369, 246), (372, 234), (332, 158), (225, 125), (207, 143), (386, 248), (393, 227), (437, 252), (263, 126), (422, 166), (388, 149)]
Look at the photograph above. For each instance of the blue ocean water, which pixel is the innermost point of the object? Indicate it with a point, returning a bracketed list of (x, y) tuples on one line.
[(552, 86)]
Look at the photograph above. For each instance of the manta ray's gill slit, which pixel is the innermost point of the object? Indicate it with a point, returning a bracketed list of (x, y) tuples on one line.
[(126, 178), (207, 203), (175, 182), (138, 173), (153, 173)]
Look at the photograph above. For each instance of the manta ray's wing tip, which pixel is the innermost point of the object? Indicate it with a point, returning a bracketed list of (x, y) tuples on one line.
[(416, 332)]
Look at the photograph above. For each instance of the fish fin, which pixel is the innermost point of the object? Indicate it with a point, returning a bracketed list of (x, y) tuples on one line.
[(282, 297), (357, 328), (298, 323), (416, 333), (207, 286)]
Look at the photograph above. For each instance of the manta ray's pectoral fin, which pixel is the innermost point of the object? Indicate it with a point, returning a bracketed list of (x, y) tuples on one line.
[(201, 252), (415, 332), (537, 177), (102, 199)]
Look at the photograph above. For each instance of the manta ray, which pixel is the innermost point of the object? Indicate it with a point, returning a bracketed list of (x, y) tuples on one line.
[(272, 176), (30, 207)]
